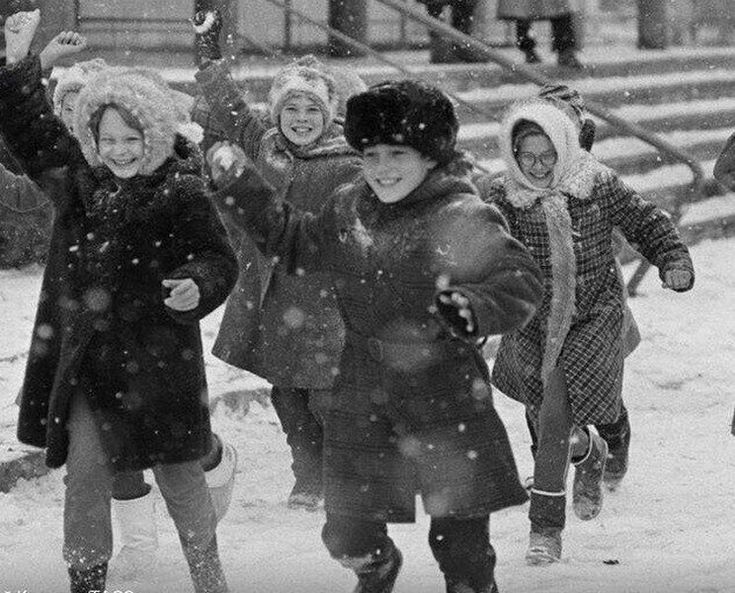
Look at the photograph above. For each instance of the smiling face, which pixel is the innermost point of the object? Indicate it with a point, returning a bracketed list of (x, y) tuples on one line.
[(301, 120), (393, 172), (68, 105), (119, 146), (536, 158)]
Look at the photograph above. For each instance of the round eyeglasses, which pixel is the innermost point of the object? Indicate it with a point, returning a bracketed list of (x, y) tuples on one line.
[(529, 159)]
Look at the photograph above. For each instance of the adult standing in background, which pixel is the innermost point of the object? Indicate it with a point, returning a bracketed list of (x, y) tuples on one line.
[(563, 35), (447, 51)]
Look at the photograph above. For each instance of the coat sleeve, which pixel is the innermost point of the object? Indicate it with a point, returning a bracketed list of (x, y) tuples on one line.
[(497, 274), (644, 224), (37, 138), (19, 193), (724, 170), (228, 110), (300, 239), (202, 240)]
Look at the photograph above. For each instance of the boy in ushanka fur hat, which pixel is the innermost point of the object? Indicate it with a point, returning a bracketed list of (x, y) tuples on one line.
[(423, 270), (284, 328), (566, 365), (115, 379)]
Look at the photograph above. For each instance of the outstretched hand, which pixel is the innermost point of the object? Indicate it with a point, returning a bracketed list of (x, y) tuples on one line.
[(66, 43), (20, 28)]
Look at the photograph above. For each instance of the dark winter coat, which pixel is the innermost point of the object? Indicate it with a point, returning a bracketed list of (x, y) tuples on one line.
[(101, 325), (534, 10), (592, 350), (285, 328), (411, 408)]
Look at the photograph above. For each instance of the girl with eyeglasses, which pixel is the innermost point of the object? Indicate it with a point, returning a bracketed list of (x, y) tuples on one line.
[(566, 364)]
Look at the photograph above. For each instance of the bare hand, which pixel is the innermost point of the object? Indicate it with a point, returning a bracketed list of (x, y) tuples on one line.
[(184, 295), (66, 43), (677, 279), (226, 161), (462, 304), (20, 28)]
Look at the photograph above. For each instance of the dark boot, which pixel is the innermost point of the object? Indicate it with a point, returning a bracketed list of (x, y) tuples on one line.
[(564, 41), (617, 437), (205, 568), (84, 580), (548, 516), (587, 488), (376, 573), (526, 43)]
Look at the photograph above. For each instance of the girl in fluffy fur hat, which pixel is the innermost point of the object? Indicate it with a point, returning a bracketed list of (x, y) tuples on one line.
[(284, 328), (566, 365), (423, 269), (115, 378)]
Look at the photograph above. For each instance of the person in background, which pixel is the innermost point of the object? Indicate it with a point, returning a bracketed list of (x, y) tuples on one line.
[(282, 327), (566, 365), (115, 376), (447, 51), (563, 36)]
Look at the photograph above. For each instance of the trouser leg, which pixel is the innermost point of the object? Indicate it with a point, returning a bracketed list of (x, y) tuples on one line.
[(464, 553), (187, 498), (304, 433), (88, 480), (562, 33)]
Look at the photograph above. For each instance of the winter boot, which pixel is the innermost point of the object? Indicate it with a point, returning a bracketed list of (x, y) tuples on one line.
[(136, 526), (547, 513), (221, 479), (205, 568), (84, 580), (567, 58), (617, 437), (376, 573), (544, 545), (587, 488)]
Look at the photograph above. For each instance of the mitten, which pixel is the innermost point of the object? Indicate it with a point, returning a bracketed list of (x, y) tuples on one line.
[(587, 134), (207, 26)]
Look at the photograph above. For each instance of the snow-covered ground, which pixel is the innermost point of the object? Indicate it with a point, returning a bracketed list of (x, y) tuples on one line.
[(670, 528)]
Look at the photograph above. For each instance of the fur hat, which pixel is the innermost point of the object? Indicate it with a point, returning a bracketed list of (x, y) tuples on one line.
[(152, 105), (74, 78), (406, 112), (307, 76)]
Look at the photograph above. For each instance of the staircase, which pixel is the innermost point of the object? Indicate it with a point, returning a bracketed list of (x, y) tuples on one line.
[(687, 95)]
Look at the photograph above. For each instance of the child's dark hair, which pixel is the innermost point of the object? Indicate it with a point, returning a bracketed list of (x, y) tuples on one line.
[(125, 114)]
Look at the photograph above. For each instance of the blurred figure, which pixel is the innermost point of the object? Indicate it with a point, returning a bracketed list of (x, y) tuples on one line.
[(444, 50), (563, 36)]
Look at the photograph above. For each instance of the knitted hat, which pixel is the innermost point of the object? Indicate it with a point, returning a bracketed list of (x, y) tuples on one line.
[(307, 76), (347, 84), (152, 105), (406, 112), (73, 79)]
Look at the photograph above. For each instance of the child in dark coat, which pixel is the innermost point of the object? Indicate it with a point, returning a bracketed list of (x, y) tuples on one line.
[(423, 270), (282, 327), (566, 365), (115, 378)]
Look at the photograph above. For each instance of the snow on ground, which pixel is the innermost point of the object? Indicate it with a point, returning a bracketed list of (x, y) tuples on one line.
[(668, 529)]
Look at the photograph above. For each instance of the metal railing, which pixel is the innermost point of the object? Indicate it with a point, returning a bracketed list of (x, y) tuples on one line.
[(696, 188)]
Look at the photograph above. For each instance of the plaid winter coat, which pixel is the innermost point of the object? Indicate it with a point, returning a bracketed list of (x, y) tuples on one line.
[(411, 409), (593, 352), (282, 327), (101, 326)]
